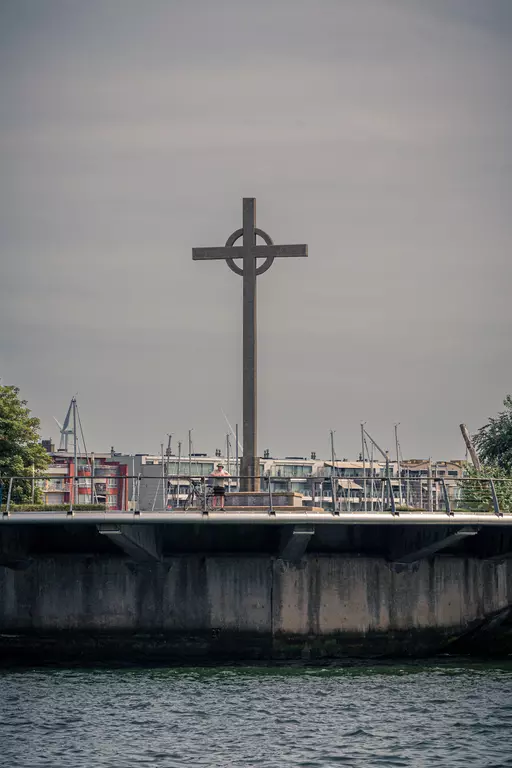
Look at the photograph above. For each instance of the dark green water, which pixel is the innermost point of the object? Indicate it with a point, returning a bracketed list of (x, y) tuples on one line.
[(453, 714)]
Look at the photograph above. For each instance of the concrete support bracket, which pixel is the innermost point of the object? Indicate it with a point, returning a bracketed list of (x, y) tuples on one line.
[(137, 541), (294, 542), (446, 541)]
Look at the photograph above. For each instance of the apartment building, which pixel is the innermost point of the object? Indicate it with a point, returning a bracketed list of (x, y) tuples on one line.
[(124, 481), (97, 478)]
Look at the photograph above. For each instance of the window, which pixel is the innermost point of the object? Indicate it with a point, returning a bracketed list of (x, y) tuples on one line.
[(292, 470), (197, 468), (112, 482), (452, 473), (103, 471)]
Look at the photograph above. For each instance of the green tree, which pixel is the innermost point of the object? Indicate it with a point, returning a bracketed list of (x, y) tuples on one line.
[(20, 450), (494, 441)]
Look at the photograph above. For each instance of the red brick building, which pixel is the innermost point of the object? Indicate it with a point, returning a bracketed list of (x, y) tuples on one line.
[(98, 479)]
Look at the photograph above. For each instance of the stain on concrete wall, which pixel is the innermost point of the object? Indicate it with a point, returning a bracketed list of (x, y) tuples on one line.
[(319, 599)]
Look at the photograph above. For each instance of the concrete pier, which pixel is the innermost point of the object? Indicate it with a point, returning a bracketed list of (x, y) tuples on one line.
[(181, 593)]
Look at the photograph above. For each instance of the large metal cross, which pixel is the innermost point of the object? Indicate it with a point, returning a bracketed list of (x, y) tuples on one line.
[(249, 252)]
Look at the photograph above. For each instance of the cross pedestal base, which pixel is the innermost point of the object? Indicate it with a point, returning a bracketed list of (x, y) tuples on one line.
[(287, 500), (249, 474)]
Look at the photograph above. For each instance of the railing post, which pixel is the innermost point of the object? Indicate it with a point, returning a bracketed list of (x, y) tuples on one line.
[(178, 493), (204, 510), (334, 483), (391, 497), (446, 498), (270, 505), (136, 494), (9, 492), (71, 494), (495, 501)]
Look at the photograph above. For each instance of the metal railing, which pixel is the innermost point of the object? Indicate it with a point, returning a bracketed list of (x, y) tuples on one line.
[(194, 492), (144, 493), (427, 494), (130, 493), (82, 491)]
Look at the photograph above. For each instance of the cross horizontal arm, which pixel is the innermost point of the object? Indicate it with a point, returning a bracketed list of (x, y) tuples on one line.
[(258, 251)]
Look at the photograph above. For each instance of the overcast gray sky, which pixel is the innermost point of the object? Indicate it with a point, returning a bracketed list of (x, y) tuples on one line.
[(376, 131)]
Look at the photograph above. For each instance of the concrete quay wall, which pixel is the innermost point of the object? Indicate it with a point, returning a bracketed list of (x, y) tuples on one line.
[(200, 608)]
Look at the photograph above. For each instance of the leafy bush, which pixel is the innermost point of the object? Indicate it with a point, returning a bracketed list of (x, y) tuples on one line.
[(54, 508)]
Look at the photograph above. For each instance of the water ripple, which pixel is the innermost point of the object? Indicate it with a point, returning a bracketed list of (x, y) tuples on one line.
[(400, 715)]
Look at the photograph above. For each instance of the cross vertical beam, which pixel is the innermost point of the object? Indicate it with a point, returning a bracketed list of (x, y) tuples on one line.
[(250, 463), (249, 252)]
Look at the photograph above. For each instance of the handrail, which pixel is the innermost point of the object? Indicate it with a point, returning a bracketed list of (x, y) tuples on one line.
[(338, 494), (278, 518), (181, 476)]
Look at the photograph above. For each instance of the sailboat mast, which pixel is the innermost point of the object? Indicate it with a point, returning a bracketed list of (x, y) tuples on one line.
[(75, 462)]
